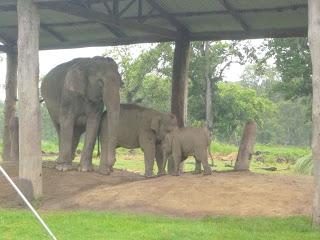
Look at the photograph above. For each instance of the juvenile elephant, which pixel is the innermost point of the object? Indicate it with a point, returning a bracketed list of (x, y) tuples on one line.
[(75, 93), (184, 142), (138, 127)]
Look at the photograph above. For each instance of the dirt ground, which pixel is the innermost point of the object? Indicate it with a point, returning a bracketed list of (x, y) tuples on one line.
[(228, 193)]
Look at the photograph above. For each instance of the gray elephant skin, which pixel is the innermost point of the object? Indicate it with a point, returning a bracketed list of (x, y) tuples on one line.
[(139, 127), (75, 93), (184, 142)]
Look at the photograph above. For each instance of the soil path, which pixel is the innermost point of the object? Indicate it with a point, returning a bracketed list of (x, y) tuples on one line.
[(229, 193)]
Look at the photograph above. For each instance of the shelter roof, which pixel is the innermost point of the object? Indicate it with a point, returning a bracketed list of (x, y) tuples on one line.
[(80, 23)]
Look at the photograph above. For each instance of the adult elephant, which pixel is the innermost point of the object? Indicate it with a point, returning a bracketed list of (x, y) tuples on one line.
[(75, 93), (138, 127)]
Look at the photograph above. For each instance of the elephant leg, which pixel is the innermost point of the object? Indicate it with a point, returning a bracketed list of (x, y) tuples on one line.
[(65, 140), (176, 158), (161, 162), (76, 138), (202, 156), (57, 127), (197, 169), (92, 127), (148, 145), (106, 166), (111, 98)]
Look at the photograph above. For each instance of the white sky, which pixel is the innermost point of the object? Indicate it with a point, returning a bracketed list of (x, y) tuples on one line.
[(51, 58)]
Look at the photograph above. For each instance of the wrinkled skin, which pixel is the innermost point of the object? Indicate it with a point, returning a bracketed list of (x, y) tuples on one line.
[(139, 127), (184, 142), (75, 93)]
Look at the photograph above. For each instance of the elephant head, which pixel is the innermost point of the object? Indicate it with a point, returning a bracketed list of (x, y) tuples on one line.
[(95, 79), (163, 124), (168, 148)]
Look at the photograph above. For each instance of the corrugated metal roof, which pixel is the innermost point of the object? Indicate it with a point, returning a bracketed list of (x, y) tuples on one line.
[(77, 23)]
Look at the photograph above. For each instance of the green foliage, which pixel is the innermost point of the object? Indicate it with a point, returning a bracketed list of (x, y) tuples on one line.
[(290, 121), (19, 224), (146, 78), (293, 62), (235, 105), (304, 165)]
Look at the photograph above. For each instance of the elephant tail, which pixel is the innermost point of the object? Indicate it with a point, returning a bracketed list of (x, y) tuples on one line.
[(99, 150), (212, 161)]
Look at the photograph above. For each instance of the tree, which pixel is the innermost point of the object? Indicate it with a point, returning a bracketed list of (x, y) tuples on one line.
[(293, 62), (235, 106), (146, 78), (209, 62)]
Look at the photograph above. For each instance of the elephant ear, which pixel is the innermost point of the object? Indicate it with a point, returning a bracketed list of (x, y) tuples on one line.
[(155, 123), (75, 80)]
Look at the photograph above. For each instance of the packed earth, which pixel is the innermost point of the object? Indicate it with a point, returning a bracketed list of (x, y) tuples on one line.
[(223, 193)]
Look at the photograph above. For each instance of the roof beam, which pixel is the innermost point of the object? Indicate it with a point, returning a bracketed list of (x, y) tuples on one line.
[(75, 10), (235, 14), (126, 7), (3, 48), (53, 33), (173, 20), (253, 34)]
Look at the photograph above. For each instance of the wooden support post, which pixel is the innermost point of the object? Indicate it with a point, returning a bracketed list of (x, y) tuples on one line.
[(180, 78), (246, 147), (30, 168), (314, 42), (10, 101), (14, 137)]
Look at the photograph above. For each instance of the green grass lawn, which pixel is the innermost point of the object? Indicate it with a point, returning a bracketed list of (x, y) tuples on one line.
[(18, 224), (270, 155)]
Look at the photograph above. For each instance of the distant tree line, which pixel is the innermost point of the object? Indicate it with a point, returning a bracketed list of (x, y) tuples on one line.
[(276, 95)]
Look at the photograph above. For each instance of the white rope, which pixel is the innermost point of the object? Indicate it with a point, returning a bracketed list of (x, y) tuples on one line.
[(28, 203)]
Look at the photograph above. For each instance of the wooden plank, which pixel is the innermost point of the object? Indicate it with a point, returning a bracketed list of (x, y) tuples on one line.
[(30, 168), (314, 42), (75, 10)]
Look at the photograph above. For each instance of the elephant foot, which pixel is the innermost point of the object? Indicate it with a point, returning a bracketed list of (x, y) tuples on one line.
[(197, 172), (85, 168), (162, 173), (105, 170), (149, 175), (64, 167), (175, 174), (208, 172)]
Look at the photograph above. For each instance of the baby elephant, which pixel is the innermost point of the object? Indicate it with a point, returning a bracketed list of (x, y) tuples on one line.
[(139, 127), (184, 142)]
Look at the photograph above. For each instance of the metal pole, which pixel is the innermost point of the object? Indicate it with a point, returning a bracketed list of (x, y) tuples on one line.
[(28, 204)]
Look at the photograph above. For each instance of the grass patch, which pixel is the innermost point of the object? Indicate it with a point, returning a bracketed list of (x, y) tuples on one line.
[(18, 224), (281, 157)]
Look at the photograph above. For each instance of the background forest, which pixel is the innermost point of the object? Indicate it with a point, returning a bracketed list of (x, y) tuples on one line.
[(274, 90)]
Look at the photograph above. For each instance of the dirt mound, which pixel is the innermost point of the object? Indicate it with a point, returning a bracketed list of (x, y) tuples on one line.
[(229, 193)]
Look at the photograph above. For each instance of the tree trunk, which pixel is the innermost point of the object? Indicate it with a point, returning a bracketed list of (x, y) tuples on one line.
[(30, 168), (209, 118), (246, 147), (10, 102), (180, 78), (314, 42)]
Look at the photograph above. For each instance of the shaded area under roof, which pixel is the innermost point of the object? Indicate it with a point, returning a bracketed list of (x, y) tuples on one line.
[(82, 23)]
